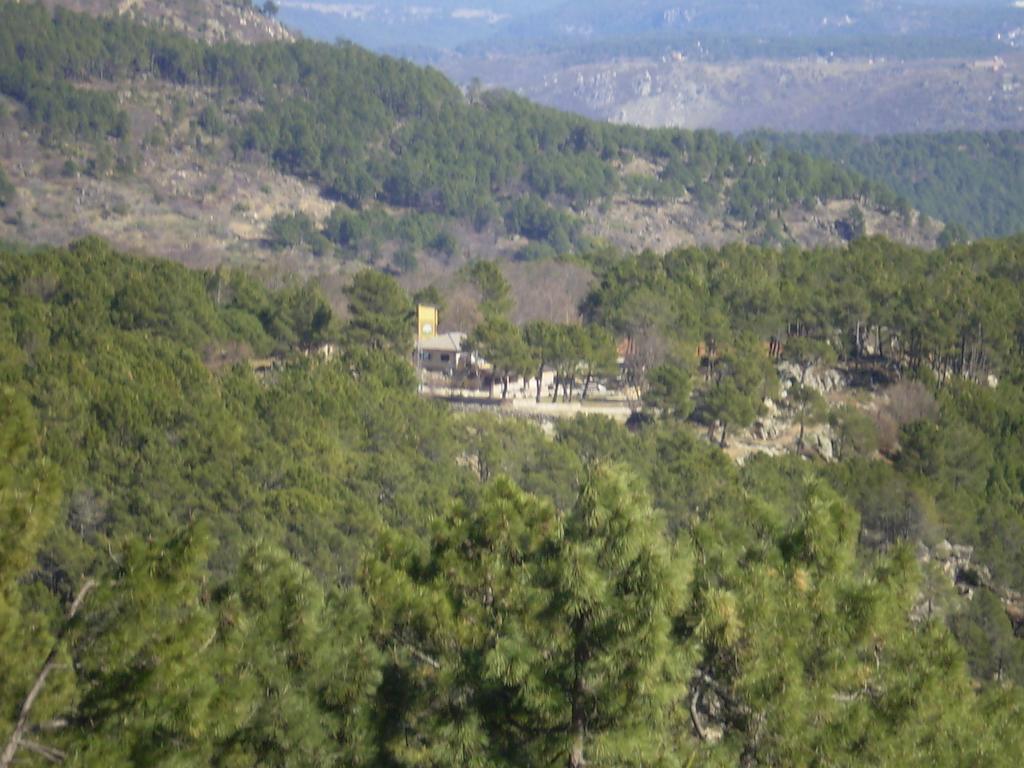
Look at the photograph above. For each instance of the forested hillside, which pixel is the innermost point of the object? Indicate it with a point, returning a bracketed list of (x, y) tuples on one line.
[(234, 532), (971, 181), (945, 318), (376, 136), (212, 20), (315, 566)]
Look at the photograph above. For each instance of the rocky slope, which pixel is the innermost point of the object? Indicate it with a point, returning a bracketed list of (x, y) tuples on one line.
[(191, 200), (854, 95), (214, 21), (635, 224)]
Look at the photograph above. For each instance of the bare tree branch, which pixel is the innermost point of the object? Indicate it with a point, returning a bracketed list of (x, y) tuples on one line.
[(17, 738), (695, 717), (57, 724), (51, 754), (421, 656)]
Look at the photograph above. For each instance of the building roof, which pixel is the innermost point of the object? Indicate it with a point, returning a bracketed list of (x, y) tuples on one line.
[(445, 342)]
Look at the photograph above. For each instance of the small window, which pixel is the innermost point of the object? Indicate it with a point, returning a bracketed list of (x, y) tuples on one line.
[(424, 355), (446, 358)]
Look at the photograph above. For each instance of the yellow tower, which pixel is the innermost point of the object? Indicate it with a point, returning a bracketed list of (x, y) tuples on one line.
[(426, 322)]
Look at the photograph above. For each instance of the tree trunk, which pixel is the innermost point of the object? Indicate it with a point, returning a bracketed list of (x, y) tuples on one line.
[(576, 759), (504, 387), (482, 469), (721, 443), (540, 380), (579, 714)]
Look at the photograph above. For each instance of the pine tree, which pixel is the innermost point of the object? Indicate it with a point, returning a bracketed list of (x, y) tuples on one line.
[(302, 670), (495, 292), (599, 356), (810, 407), (809, 657), (148, 662), (617, 593), (501, 344), (381, 313), (669, 391), (29, 493), (459, 615), (523, 637)]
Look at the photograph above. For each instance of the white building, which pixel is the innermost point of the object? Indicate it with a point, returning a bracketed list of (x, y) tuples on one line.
[(443, 353)]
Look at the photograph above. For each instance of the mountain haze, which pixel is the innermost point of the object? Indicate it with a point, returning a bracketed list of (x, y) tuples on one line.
[(723, 27)]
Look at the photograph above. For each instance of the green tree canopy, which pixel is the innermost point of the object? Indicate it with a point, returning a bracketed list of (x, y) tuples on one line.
[(495, 292), (380, 314), (669, 391), (501, 344), (537, 631)]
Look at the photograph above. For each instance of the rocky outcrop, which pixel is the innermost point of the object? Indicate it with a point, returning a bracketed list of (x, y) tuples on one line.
[(768, 426), (955, 562), (820, 440), (966, 576), (822, 380), (775, 430), (214, 21)]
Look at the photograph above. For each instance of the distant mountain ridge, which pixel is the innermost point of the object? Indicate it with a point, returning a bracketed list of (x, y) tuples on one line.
[(724, 27), (792, 66)]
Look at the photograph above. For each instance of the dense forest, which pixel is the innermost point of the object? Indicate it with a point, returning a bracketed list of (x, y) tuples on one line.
[(371, 129), (234, 532), (309, 564), (946, 318), (971, 181)]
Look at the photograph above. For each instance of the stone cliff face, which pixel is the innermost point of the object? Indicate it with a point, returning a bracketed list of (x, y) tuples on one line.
[(214, 21), (956, 562)]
